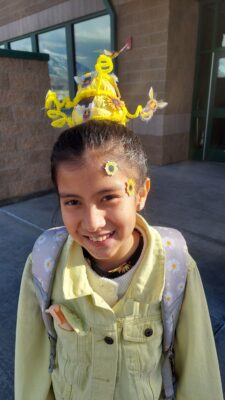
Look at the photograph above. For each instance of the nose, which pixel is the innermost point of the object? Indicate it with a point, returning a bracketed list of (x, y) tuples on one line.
[(93, 219)]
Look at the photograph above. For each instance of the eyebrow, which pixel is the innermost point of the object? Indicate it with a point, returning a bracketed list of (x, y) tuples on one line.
[(103, 191)]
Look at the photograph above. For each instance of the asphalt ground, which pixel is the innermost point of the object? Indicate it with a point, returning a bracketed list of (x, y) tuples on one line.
[(189, 196)]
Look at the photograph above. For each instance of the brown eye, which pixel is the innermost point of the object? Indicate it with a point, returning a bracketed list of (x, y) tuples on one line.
[(72, 203), (109, 197)]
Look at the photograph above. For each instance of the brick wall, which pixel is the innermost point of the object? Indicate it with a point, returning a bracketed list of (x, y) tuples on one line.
[(181, 50), (16, 9), (145, 65), (25, 135), (164, 36), (21, 17)]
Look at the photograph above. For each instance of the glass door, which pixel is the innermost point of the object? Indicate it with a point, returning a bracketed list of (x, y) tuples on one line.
[(201, 105), (207, 139), (214, 145)]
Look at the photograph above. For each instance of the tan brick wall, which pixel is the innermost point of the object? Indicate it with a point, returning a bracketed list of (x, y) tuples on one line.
[(164, 36), (16, 9), (181, 56), (145, 65), (21, 17), (166, 149), (182, 42), (25, 135)]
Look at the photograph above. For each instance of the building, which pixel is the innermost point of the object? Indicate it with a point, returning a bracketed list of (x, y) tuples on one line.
[(178, 47)]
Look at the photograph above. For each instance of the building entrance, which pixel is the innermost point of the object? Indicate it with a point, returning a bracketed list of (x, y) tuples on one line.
[(208, 115)]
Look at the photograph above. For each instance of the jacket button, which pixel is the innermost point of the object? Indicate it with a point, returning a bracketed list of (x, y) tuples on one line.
[(148, 332), (108, 340)]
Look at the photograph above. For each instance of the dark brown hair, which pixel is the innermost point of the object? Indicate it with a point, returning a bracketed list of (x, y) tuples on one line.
[(104, 136)]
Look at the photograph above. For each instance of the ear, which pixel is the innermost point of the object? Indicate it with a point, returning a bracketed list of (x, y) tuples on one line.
[(142, 194)]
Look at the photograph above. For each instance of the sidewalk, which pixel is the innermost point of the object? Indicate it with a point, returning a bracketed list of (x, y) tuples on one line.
[(189, 196)]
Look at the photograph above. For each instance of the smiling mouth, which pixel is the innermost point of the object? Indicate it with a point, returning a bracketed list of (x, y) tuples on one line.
[(100, 238)]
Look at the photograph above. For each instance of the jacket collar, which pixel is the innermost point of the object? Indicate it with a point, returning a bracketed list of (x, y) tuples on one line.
[(147, 283)]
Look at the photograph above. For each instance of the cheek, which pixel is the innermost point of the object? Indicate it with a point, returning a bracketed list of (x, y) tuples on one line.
[(69, 217), (66, 219), (125, 214)]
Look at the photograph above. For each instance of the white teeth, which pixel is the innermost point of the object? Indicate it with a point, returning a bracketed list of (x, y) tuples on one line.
[(99, 238)]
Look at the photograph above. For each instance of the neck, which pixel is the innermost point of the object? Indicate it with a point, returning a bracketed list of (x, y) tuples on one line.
[(123, 266), (107, 265)]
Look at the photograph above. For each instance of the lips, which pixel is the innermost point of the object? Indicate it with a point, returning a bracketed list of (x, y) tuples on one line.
[(100, 238)]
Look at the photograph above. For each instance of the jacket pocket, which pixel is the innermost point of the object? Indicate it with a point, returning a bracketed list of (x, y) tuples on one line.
[(61, 388), (142, 344), (74, 353)]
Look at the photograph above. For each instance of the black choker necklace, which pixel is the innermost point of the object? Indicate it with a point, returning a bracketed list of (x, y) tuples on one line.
[(121, 269)]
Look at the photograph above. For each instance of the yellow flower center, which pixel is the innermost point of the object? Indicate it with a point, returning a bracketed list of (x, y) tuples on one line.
[(153, 104), (49, 264), (130, 187), (111, 167)]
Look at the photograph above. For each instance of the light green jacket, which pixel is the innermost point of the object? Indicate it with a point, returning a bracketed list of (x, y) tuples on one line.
[(128, 365)]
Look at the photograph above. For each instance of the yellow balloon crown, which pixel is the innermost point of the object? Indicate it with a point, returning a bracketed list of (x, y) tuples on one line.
[(98, 98)]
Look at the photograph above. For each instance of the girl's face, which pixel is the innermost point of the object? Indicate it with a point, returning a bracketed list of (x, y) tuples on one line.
[(97, 211)]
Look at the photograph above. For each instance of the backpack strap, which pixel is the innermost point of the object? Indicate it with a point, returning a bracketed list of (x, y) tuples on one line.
[(45, 254), (176, 268)]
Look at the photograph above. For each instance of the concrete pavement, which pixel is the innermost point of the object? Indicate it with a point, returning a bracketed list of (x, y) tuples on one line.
[(189, 196)]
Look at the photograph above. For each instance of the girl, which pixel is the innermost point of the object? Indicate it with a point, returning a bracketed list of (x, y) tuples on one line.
[(108, 287)]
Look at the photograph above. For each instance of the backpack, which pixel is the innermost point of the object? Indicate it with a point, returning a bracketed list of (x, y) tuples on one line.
[(46, 251)]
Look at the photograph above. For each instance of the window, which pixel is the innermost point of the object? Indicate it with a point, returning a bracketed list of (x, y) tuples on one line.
[(22, 44), (91, 38), (54, 43), (77, 53)]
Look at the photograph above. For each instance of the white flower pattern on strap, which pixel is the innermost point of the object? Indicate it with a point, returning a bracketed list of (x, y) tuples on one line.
[(180, 287), (59, 236), (48, 263), (168, 242), (168, 297), (41, 239), (173, 265)]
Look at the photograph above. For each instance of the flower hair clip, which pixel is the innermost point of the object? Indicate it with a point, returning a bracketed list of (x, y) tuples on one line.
[(111, 168), (130, 187), (151, 106)]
